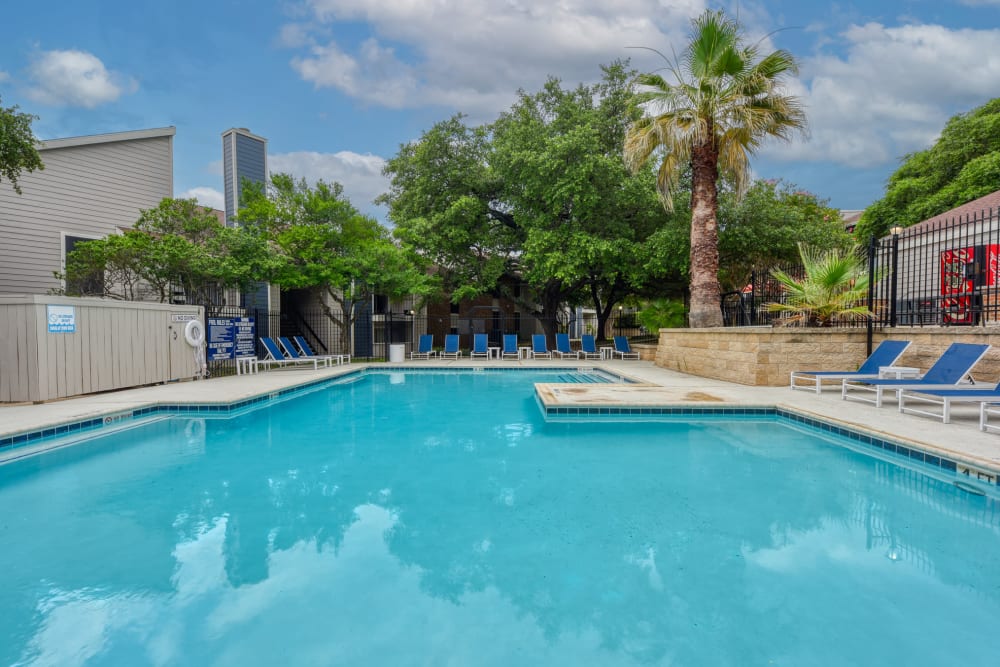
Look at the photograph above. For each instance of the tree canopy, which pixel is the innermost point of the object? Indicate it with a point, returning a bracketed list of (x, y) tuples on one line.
[(725, 99), (318, 241), (540, 196), (176, 246), (17, 145), (764, 228), (962, 165)]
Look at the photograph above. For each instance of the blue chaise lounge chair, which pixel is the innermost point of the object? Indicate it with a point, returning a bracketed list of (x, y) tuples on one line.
[(480, 346), (886, 354), (562, 346), (451, 350), (588, 347), (275, 357), (292, 352), (425, 347), (510, 347), (950, 369), (539, 348), (623, 350), (307, 351)]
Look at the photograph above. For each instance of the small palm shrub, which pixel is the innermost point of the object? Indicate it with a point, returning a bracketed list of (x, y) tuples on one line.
[(834, 289)]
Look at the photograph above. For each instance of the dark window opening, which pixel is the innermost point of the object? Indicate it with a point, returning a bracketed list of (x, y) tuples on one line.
[(80, 280)]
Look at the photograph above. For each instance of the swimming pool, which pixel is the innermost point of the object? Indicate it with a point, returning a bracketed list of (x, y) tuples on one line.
[(437, 518)]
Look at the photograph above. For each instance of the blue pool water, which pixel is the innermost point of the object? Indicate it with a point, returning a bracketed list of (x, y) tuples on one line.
[(437, 519)]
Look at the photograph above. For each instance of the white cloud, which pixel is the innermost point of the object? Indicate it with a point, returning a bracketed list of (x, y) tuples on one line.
[(892, 91), (4, 76), (208, 197), (361, 175), (75, 78), (473, 55)]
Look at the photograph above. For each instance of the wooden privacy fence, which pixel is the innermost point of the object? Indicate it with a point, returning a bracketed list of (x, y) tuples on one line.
[(53, 347)]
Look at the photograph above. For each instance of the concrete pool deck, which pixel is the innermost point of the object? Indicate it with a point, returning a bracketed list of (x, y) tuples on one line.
[(960, 440)]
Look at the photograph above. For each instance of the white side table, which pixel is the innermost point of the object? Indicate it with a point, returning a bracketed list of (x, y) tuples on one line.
[(524, 352), (246, 365), (898, 372), (607, 352), (492, 352)]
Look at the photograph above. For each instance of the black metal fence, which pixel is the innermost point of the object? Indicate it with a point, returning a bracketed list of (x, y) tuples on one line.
[(939, 273), (371, 334), (944, 272)]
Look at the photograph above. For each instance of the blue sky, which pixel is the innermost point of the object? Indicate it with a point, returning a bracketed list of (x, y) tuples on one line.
[(337, 85)]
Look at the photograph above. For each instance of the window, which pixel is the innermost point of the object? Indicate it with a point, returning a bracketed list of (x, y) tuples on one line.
[(380, 304), (81, 282)]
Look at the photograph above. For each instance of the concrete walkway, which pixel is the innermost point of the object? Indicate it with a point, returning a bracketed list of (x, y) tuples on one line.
[(961, 440)]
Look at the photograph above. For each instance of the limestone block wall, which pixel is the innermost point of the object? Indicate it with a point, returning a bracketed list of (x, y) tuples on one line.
[(764, 356)]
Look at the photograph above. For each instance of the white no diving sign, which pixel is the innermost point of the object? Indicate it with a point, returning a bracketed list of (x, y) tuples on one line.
[(62, 319)]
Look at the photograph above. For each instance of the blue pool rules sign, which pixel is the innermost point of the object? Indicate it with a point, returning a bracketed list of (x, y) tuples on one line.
[(61, 319), (230, 337)]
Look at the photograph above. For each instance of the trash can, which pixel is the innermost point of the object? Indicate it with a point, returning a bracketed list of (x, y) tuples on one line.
[(397, 352)]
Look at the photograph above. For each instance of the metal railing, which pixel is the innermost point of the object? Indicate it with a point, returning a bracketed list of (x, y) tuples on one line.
[(940, 273)]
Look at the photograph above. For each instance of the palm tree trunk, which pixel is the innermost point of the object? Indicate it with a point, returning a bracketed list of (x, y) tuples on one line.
[(705, 310)]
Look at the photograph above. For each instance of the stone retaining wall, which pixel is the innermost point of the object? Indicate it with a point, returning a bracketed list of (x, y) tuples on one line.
[(764, 356)]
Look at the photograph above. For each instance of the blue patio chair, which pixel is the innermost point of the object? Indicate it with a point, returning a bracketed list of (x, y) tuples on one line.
[(886, 354), (539, 348), (510, 347), (588, 347), (623, 350), (308, 352), (425, 347), (562, 346), (275, 357), (480, 346), (451, 350), (950, 369)]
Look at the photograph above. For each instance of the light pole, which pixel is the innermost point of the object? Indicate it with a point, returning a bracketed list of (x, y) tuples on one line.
[(895, 265)]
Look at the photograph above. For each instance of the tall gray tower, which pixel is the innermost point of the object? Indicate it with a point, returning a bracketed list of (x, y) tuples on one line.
[(244, 156)]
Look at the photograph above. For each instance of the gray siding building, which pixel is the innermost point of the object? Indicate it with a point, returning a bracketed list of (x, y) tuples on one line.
[(244, 156), (91, 186)]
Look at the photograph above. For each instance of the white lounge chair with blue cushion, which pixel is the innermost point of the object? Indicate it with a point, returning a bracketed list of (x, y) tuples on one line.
[(451, 350), (425, 347), (588, 347), (308, 352), (886, 354), (562, 346), (275, 357), (539, 348), (951, 368), (976, 394), (480, 346), (510, 347), (623, 350)]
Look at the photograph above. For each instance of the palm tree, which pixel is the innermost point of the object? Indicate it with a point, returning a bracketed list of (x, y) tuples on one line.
[(834, 285), (725, 101)]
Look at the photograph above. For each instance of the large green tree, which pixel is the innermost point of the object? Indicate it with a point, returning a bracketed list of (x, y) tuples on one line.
[(765, 226), (962, 165), (320, 242), (17, 145), (175, 246), (540, 196), (725, 99)]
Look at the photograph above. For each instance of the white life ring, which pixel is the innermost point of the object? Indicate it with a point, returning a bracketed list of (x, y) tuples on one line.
[(194, 333)]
